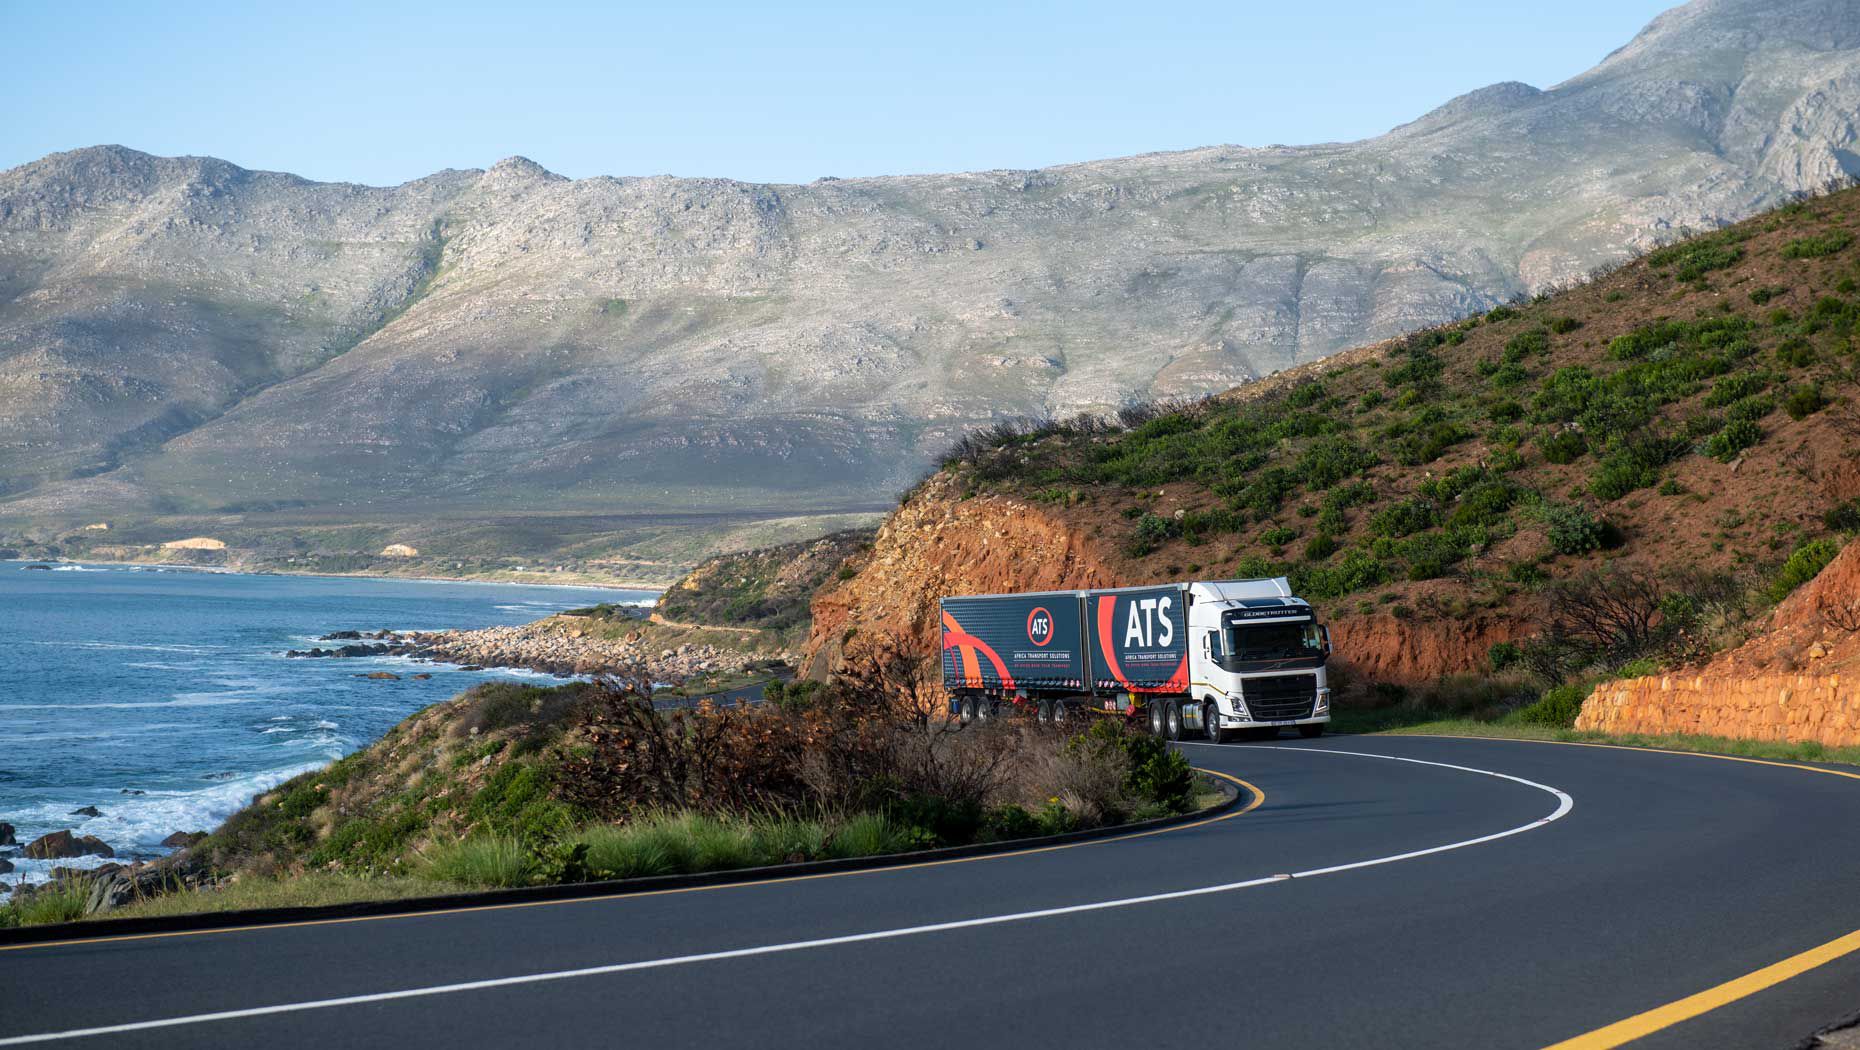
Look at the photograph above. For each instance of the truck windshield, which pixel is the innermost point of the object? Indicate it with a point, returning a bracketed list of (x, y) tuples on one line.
[(1256, 642)]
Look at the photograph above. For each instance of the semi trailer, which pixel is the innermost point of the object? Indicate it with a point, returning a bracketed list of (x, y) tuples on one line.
[(1206, 658)]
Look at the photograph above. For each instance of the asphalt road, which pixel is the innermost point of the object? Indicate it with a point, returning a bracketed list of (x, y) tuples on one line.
[(1597, 885)]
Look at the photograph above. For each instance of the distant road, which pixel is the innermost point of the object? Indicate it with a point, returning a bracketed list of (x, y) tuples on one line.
[(1387, 892)]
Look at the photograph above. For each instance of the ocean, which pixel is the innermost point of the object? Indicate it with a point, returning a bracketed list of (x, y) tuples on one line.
[(162, 697)]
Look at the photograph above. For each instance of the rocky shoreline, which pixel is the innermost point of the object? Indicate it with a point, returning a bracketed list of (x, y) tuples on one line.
[(563, 646)]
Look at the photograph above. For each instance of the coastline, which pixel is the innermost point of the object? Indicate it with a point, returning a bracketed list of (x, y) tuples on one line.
[(543, 579)]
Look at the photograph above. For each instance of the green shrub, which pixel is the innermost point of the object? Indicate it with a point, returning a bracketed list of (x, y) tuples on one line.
[(1803, 565), (486, 860), (1320, 547), (1331, 460), (1356, 570), (1736, 387), (1152, 532), (1278, 536), (1843, 517), (1556, 707), (1404, 518), (1502, 655), (1804, 401), (1817, 246), (1751, 408), (1796, 353), (1526, 344), (1737, 435), (1564, 325), (1694, 258), (1762, 295), (1500, 313), (1563, 446), (1572, 529), (1006, 823)]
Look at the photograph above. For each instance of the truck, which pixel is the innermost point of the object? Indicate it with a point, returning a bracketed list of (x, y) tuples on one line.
[(1212, 657)]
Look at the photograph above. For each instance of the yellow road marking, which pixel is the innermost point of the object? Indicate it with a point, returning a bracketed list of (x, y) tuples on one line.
[(1259, 797), (1632, 1028), (1662, 1017)]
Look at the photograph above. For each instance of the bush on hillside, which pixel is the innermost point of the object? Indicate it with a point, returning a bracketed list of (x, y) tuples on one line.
[(1803, 565), (1557, 707)]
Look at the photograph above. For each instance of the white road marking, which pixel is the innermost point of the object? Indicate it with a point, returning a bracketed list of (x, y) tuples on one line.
[(1564, 805)]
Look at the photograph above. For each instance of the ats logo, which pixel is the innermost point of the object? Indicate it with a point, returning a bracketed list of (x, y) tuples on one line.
[(1039, 626)]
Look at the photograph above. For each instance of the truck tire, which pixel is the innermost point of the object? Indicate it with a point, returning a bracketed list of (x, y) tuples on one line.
[(985, 711), (968, 710), (1311, 731), (1156, 720), (1172, 720), (1211, 724), (1062, 712), (1044, 713)]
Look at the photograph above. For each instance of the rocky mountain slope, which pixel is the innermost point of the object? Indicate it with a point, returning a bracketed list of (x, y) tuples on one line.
[(181, 335), (1621, 475)]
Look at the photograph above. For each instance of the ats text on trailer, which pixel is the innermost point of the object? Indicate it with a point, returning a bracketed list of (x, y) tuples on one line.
[(1205, 657)]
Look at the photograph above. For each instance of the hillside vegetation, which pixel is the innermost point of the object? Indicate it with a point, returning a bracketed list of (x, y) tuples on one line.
[(1625, 472), (183, 336)]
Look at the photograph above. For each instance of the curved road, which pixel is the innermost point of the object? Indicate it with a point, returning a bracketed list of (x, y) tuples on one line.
[(1577, 887)]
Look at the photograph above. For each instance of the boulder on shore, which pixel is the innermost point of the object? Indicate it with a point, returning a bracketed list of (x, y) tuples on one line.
[(87, 811), (381, 676), (7, 831), (183, 839), (5, 865), (60, 845)]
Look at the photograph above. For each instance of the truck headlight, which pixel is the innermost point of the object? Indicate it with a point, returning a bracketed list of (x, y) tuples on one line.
[(1239, 707), (1323, 702)]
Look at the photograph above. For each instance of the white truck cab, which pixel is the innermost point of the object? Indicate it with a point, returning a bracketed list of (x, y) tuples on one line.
[(1257, 657)]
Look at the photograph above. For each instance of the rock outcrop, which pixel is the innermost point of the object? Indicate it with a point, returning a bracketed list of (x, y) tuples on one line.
[(1797, 681), (62, 845)]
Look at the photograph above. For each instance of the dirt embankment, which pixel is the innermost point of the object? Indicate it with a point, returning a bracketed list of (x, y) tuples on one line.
[(939, 543), (1797, 681)]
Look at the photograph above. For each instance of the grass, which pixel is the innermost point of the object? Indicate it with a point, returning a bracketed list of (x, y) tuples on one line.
[(1394, 723), (309, 890), (491, 861)]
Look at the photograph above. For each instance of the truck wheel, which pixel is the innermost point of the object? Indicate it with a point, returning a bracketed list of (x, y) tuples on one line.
[(968, 710), (1310, 731), (1172, 720), (1044, 714), (1061, 712), (1156, 720), (1211, 724), (985, 710)]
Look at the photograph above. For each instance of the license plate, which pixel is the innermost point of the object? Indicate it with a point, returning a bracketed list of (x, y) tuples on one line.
[(1286, 722)]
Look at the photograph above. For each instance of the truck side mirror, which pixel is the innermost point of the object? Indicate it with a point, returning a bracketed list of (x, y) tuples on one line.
[(1324, 639)]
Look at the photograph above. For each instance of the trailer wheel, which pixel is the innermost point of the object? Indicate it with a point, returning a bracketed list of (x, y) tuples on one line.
[(1314, 730), (1211, 724), (1172, 720), (1156, 720), (1062, 711), (985, 711), (1044, 713), (968, 710)]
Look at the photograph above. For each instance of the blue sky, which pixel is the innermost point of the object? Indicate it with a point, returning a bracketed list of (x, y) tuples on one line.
[(768, 92)]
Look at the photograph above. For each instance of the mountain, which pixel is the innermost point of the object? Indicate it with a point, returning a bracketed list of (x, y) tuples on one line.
[(1625, 476), (181, 336)]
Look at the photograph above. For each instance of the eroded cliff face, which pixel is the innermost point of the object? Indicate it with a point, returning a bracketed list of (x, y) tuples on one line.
[(1797, 681), (939, 543), (936, 544)]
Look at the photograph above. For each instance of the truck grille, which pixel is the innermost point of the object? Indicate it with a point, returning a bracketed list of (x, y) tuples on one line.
[(1280, 697)]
